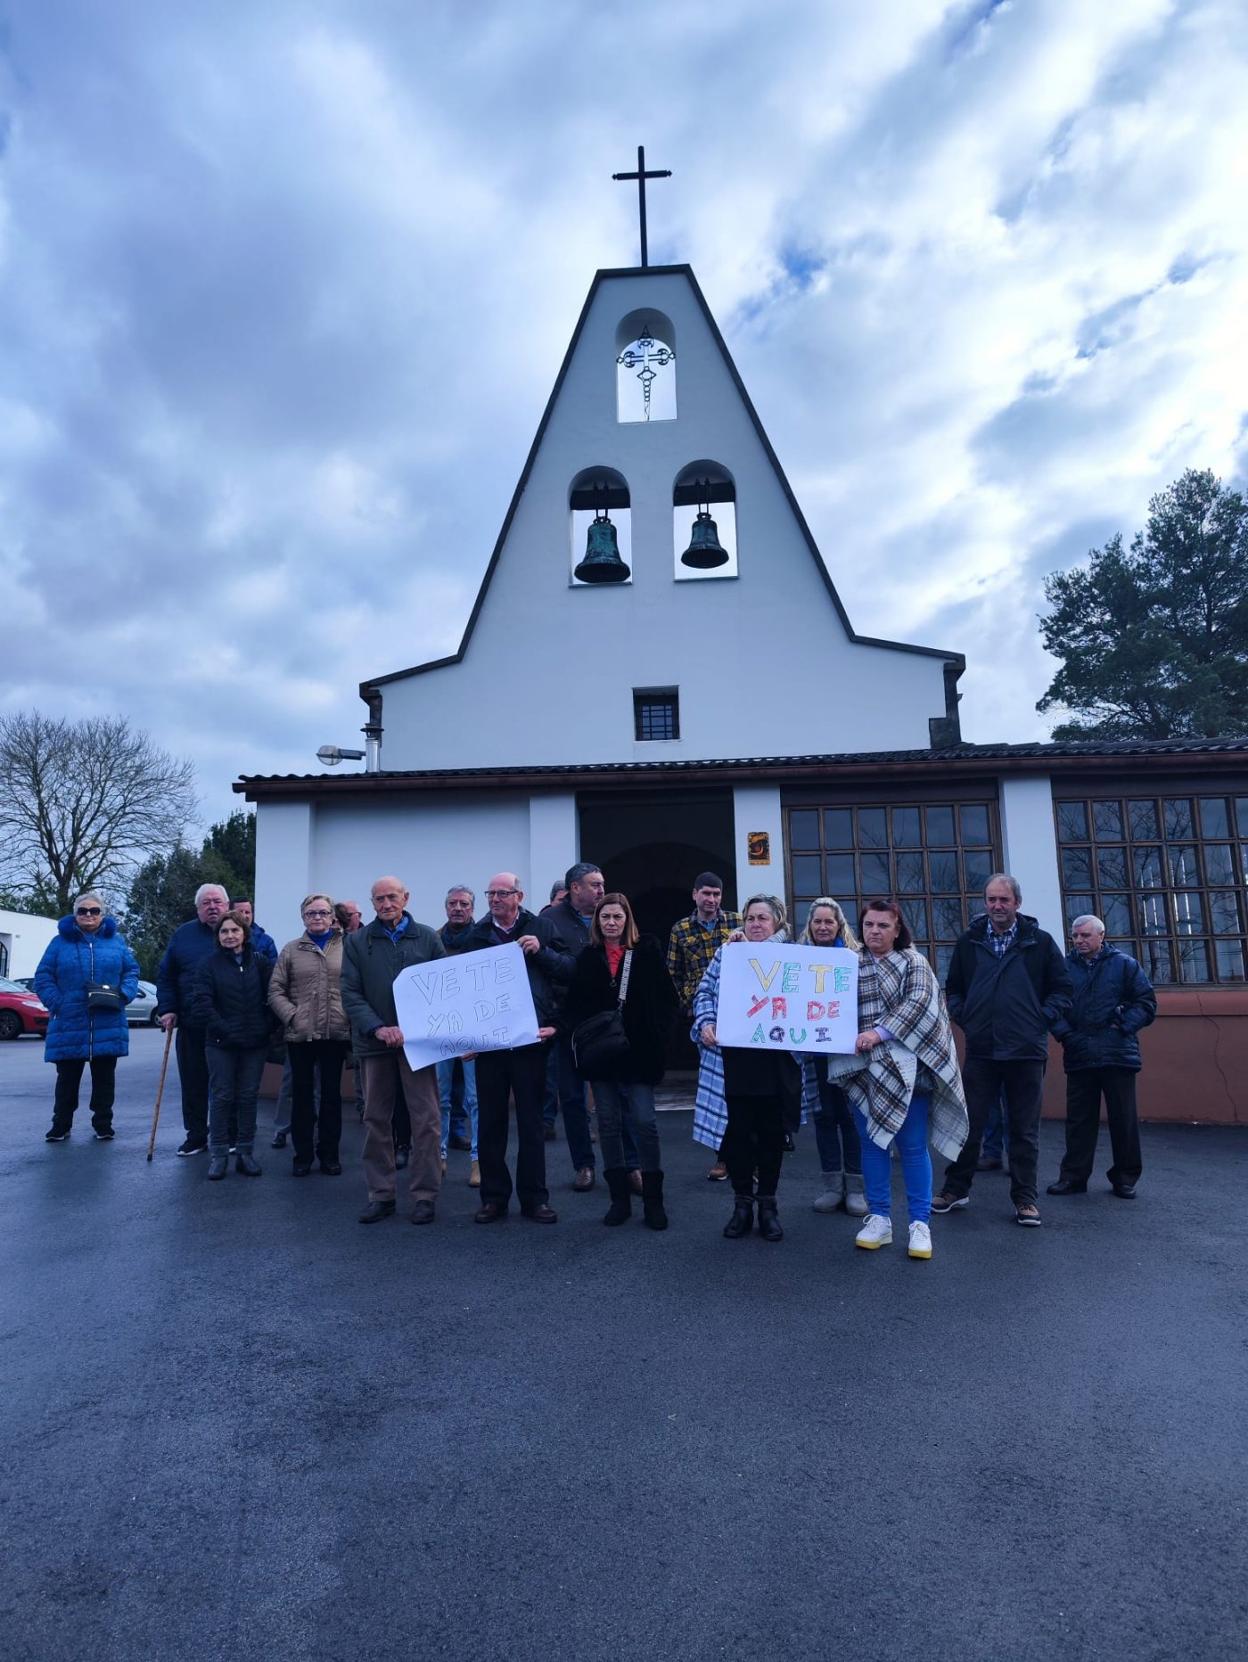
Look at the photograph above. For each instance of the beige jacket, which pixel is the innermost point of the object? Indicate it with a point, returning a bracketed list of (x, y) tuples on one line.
[(304, 991)]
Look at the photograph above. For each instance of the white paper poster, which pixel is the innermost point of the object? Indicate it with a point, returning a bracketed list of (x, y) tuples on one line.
[(476, 1001), (776, 996)]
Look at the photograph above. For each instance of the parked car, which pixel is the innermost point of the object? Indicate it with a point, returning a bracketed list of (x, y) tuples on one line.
[(142, 1007), (20, 1011)]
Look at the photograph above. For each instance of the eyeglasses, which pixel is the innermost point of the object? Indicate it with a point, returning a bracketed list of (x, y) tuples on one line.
[(87, 911), (318, 912), (499, 894)]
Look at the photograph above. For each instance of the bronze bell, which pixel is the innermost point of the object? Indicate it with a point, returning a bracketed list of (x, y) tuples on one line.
[(602, 562), (705, 551)]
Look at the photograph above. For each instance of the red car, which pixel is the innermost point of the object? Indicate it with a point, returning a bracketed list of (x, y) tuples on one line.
[(20, 1012)]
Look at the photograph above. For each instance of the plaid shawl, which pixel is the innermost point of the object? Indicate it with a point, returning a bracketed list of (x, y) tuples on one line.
[(901, 993)]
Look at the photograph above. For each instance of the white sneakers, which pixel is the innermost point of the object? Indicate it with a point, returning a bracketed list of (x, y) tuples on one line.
[(878, 1232), (875, 1232)]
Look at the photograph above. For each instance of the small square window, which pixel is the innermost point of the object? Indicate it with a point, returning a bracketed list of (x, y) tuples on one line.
[(656, 712)]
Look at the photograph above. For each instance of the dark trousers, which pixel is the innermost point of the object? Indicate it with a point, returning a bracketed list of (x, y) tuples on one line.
[(193, 1078), (1084, 1089), (235, 1077), (983, 1081), (754, 1140), (572, 1105), (103, 1090), (520, 1074), (312, 1061)]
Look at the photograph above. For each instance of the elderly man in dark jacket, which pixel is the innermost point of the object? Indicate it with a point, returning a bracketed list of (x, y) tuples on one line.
[(1113, 1000), (1007, 989), (519, 1073), (189, 946), (371, 959)]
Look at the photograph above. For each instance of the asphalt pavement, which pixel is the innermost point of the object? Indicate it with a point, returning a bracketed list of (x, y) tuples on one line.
[(237, 1424)]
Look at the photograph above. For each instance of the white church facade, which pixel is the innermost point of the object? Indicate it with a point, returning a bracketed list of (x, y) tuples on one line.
[(649, 742)]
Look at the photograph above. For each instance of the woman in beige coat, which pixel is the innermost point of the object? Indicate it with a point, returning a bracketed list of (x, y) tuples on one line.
[(304, 995)]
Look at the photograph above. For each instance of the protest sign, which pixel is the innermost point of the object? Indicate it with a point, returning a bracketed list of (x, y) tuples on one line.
[(457, 1006), (774, 996)]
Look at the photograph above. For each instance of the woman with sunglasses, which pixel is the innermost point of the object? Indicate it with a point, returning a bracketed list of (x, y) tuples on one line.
[(305, 995), (86, 978)]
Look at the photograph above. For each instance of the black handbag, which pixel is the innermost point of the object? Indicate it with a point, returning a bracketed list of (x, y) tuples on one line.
[(101, 996), (599, 1043)]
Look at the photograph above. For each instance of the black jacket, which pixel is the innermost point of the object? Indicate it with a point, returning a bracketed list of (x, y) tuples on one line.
[(569, 934), (370, 963), (1113, 1000), (230, 1001), (649, 1010), (549, 970), (1007, 1006)]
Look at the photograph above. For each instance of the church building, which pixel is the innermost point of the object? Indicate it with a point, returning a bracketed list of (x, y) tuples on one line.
[(702, 700)]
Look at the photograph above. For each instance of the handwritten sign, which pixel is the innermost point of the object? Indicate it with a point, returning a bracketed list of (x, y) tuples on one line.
[(455, 1006), (774, 996)]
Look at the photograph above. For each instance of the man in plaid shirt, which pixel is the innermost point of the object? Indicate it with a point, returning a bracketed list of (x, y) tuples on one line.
[(692, 944)]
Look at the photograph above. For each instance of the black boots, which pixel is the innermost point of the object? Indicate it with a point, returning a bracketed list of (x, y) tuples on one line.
[(652, 1199), (742, 1219), (621, 1207), (218, 1165), (768, 1222), (246, 1164)]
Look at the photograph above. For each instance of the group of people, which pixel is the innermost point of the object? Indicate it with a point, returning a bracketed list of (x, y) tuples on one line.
[(607, 999)]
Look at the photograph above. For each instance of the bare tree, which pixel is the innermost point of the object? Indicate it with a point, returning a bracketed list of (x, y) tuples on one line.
[(84, 803)]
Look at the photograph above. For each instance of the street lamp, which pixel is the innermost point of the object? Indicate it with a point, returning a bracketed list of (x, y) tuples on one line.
[(332, 754)]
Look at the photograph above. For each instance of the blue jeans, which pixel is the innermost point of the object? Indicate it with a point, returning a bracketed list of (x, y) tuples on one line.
[(446, 1078), (916, 1164), (835, 1132), (624, 1108)]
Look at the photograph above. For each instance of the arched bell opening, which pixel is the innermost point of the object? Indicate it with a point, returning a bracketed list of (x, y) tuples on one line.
[(704, 522), (602, 528), (645, 367)]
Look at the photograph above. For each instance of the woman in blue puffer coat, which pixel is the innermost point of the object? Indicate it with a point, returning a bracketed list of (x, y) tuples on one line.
[(86, 951)]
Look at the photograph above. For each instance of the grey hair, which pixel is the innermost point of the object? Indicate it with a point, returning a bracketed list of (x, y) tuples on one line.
[(1004, 877), (90, 894), (774, 905), (461, 888), (1088, 917), (834, 906), (582, 868), (206, 888)]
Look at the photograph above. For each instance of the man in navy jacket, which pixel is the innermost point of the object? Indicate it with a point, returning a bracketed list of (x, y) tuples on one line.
[(187, 949), (1113, 1000), (1007, 989)]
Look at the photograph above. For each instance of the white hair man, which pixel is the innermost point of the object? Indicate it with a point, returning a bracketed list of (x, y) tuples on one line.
[(189, 945)]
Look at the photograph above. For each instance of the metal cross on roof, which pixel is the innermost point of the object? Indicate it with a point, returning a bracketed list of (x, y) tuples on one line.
[(641, 176)]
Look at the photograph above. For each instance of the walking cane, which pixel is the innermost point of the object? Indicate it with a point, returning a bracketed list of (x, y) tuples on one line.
[(160, 1091)]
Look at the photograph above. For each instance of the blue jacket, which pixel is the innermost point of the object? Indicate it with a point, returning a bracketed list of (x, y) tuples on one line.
[(188, 946), (71, 960), (262, 943), (1113, 1000)]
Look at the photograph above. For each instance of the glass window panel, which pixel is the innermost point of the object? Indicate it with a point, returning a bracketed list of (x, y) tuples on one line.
[(1116, 914), (976, 870), (940, 832), (946, 919), (973, 818), (943, 872), (840, 868), (1184, 867), (1219, 867), (1214, 821), (804, 828), (1157, 962), (1177, 811), (1072, 822), (1230, 960), (850, 909), (872, 828), (1241, 814), (909, 873), (915, 914), (838, 827), (1111, 868), (1076, 904), (1143, 818), (1107, 821), (1153, 917), (906, 833), (1147, 863), (1224, 912), (1189, 914), (1076, 867), (873, 877), (1193, 960), (944, 956), (807, 874)]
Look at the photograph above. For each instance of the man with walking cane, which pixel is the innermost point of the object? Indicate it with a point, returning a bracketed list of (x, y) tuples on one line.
[(187, 949)]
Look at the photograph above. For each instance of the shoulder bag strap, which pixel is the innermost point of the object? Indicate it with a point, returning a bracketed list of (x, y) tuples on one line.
[(628, 964)]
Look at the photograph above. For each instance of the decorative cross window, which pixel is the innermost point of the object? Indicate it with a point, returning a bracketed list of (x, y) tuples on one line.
[(646, 379)]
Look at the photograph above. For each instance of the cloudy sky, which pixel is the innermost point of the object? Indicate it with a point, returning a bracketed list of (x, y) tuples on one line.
[(283, 289)]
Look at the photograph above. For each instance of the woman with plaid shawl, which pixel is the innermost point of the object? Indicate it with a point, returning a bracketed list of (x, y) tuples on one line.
[(902, 1081)]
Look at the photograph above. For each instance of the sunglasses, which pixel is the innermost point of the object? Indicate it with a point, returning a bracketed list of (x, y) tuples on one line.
[(87, 912)]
